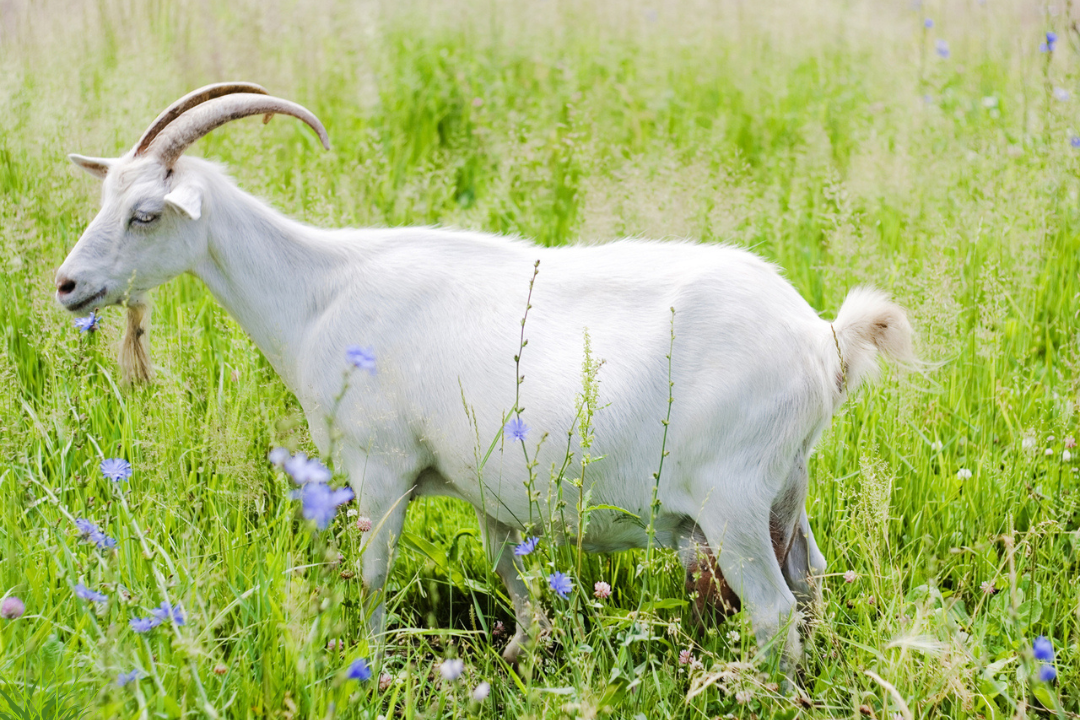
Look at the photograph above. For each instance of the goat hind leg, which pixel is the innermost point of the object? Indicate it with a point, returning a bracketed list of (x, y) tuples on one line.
[(499, 540)]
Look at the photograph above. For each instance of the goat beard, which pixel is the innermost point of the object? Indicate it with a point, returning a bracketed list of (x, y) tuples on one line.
[(134, 354)]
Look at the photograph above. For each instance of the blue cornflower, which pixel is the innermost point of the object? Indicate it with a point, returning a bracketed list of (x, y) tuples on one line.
[(527, 547), (1047, 673), (88, 323), (560, 584), (362, 358), (359, 670), (168, 612), (124, 678), (116, 469), (1050, 44), (320, 502), (516, 429), (928, 23), (942, 48), (87, 594), (306, 470), (278, 456), (141, 625), (1043, 649)]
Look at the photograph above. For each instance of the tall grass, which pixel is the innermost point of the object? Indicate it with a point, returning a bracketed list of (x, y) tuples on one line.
[(830, 138)]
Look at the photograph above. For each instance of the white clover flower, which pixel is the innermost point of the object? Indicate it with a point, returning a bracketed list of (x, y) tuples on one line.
[(850, 576), (1048, 452), (963, 474), (1028, 442), (352, 512), (937, 446), (733, 636), (1066, 456)]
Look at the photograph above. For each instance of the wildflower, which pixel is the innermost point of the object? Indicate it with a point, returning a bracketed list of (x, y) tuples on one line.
[(1074, 142), (602, 590), (1070, 442), (527, 547), (359, 670), (12, 608), (937, 446), (1043, 649), (942, 48), (988, 587), (334, 644), (103, 541), (304, 470), (1051, 42), (451, 669), (850, 576), (385, 680), (928, 23), (499, 630), (141, 625), (221, 669), (320, 502), (85, 526), (1066, 456), (685, 657), (363, 524), (743, 696), (361, 358), (168, 612), (1050, 451), (516, 429), (481, 692), (116, 469), (1047, 673), (963, 474), (87, 594), (87, 324), (477, 102), (278, 456), (126, 678), (560, 584), (733, 636), (352, 512), (1061, 94), (1028, 442)]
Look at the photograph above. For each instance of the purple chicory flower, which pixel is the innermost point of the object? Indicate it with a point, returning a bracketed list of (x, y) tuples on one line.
[(560, 584), (116, 469), (87, 594), (306, 470), (320, 502), (1050, 44), (1047, 673), (361, 358), (126, 678), (87, 324), (359, 670), (1043, 649), (278, 456), (167, 612), (141, 625), (527, 547), (516, 429), (941, 47)]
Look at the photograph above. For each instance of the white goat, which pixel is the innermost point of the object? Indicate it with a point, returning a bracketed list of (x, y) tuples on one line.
[(757, 374)]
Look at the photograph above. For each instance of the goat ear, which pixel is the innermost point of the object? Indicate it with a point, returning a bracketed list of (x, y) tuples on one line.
[(187, 199), (98, 167)]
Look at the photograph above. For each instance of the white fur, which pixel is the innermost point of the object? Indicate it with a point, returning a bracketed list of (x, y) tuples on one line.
[(756, 372)]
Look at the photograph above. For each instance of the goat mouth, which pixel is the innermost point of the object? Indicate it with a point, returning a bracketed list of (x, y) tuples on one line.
[(83, 304)]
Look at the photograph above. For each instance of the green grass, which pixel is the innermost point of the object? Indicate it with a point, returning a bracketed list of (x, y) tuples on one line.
[(802, 133)]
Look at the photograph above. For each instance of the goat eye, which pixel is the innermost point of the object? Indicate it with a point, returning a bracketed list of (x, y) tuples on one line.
[(143, 218)]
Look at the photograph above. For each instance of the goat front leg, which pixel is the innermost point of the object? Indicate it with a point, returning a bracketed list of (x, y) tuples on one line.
[(382, 496), (499, 541)]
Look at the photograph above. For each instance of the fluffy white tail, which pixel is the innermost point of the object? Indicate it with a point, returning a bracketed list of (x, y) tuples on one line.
[(869, 323)]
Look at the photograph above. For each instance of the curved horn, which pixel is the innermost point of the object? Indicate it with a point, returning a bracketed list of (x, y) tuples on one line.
[(198, 121), (193, 98)]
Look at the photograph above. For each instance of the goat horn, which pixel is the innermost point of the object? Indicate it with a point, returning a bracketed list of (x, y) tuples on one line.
[(200, 120), (193, 98)]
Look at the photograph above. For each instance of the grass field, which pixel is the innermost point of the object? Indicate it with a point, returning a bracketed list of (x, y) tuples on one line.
[(836, 139)]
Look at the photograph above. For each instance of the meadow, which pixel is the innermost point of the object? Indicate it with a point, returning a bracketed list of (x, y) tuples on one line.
[(930, 149)]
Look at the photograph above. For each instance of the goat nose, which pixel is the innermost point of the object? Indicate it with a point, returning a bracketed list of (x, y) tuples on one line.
[(64, 285)]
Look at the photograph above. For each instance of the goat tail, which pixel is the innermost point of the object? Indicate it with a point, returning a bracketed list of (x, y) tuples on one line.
[(134, 354), (870, 323)]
